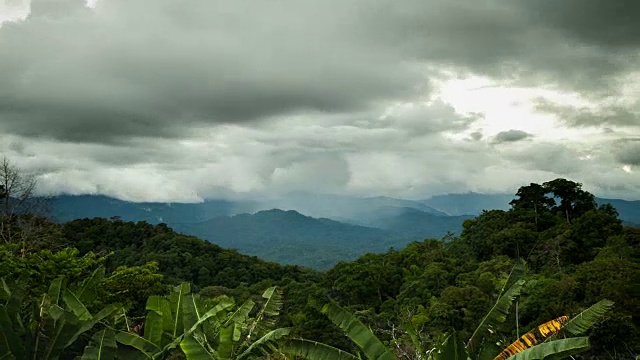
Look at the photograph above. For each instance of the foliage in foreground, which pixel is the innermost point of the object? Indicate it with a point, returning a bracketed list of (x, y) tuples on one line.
[(451, 347)]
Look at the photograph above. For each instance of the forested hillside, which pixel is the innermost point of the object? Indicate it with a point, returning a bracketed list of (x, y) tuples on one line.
[(287, 237), (473, 288), (180, 257), (291, 238)]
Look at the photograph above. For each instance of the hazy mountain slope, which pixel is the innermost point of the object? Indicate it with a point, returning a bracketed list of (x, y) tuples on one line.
[(469, 203), (290, 237), (66, 208), (411, 223), (339, 206), (629, 210), (366, 225)]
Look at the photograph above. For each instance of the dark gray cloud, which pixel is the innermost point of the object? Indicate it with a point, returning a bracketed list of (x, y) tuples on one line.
[(610, 24), (125, 69), (476, 135), (590, 43), (550, 157), (577, 45), (575, 116), (511, 136), (627, 151), (185, 100)]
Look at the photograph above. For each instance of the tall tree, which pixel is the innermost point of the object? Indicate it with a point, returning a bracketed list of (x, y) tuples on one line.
[(16, 189), (573, 200), (21, 211), (532, 198)]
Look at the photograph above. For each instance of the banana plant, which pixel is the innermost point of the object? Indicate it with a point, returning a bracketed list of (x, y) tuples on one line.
[(51, 326), (451, 347), (102, 346), (498, 313), (372, 348), (240, 336), (361, 335), (168, 322), (203, 332), (537, 344), (524, 348)]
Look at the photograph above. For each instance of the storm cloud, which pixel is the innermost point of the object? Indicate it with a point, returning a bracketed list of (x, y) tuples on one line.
[(183, 101), (511, 136), (581, 116)]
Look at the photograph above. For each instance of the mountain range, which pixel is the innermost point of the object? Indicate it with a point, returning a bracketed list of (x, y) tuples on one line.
[(307, 229)]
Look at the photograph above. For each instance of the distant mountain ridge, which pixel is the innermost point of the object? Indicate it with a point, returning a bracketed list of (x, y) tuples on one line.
[(331, 229), (289, 237), (293, 238), (408, 222), (70, 207), (469, 203)]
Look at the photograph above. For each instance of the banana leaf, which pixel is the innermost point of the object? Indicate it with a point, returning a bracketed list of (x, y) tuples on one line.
[(101, 347), (358, 333), (313, 350)]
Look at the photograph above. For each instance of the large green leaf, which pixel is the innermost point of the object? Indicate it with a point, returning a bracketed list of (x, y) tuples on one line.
[(87, 292), (143, 345), (452, 348), (66, 331), (415, 339), (313, 350), (225, 344), (153, 328), (242, 313), (75, 305), (273, 302), (194, 350), (198, 349), (223, 305), (264, 342), (9, 341), (358, 333), (54, 290), (177, 297), (580, 323), (126, 352), (101, 347), (497, 314), (191, 310), (68, 328), (106, 311), (517, 272), (557, 349), (160, 305), (238, 319), (213, 312), (5, 290), (265, 319)]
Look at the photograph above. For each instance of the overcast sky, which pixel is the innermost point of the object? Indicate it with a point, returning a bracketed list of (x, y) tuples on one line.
[(178, 101)]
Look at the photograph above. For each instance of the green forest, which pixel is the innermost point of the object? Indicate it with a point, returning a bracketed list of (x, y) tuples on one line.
[(554, 276)]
